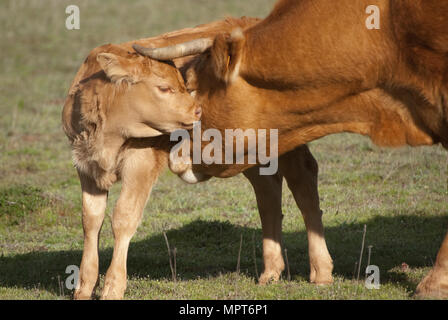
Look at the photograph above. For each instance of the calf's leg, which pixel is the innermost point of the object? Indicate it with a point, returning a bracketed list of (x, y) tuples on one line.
[(139, 173), (435, 284), (300, 170), (268, 191), (93, 206)]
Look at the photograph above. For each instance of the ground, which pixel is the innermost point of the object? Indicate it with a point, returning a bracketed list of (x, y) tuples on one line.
[(399, 194)]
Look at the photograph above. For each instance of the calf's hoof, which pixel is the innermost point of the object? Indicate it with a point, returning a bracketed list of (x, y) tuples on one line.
[(112, 295), (82, 295), (113, 292)]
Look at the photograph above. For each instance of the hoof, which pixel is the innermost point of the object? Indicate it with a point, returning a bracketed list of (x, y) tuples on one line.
[(80, 295), (269, 277), (432, 286)]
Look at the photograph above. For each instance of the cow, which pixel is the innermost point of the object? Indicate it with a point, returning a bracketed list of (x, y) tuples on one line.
[(312, 68), (105, 152)]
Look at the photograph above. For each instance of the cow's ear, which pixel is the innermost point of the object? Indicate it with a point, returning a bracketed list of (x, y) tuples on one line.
[(226, 54), (116, 68)]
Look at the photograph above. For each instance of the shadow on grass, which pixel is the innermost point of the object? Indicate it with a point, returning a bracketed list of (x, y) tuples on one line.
[(209, 248)]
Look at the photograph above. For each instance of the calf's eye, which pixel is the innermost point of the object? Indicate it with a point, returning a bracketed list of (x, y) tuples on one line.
[(165, 89)]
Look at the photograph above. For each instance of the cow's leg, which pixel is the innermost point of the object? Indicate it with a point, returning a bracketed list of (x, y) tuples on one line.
[(139, 173), (93, 206), (268, 191), (435, 284), (300, 170)]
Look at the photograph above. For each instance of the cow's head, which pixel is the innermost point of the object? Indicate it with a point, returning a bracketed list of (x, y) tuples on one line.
[(218, 63), (215, 68)]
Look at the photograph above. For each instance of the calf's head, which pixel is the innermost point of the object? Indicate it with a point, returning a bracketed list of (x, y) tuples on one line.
[(150, 98), (118, 95)]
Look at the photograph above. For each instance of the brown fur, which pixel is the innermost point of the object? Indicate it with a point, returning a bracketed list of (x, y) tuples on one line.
[(328, 73), (312, 68), (102, 158), (362, 85)]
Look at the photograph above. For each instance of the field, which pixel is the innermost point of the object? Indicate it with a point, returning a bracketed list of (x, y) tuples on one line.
[(399, 194)]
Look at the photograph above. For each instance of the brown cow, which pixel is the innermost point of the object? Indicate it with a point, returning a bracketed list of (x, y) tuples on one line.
[(104, 152), (313, 68)]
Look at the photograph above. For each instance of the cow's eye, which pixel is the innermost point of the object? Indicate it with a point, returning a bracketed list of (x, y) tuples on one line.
[(165, 89)]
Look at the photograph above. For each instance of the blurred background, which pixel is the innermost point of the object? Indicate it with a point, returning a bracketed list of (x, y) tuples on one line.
[(400, 194)]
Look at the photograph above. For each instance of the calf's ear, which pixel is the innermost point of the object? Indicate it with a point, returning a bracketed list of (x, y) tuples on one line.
[(116, 68), (226, 54)]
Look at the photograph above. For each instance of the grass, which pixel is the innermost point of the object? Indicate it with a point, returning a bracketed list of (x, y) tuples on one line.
[(399, 194)]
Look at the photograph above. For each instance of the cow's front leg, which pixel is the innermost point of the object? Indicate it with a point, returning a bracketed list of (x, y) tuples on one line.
[(139, 173), (435, 284), (300, 170), (93, 206), (268, 191)]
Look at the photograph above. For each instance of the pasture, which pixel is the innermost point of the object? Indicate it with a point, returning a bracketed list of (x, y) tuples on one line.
[(400, 195)]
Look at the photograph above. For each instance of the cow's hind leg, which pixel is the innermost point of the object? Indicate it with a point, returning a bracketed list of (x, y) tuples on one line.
[(300, 170), (268, 191), (93, 206), (435, 284), (139, 173)]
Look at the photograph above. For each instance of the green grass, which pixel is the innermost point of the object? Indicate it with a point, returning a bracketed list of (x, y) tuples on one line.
[(399, 194)]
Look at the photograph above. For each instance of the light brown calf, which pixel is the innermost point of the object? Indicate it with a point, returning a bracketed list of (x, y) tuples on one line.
[(118, 95)]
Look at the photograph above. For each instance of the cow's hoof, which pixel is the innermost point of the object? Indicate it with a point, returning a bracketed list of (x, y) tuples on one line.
[(434, 285), (322, 276), (321, 273), (269, 277), (322, 279)]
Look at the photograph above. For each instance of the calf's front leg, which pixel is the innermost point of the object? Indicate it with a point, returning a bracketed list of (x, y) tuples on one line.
[(93, 206), (138, 176)]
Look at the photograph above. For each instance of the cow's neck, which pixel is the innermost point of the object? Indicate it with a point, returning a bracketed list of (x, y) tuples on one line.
[(386, 117)]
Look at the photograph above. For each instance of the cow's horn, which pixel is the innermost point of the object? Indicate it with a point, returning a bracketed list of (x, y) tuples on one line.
[(176, 51)]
